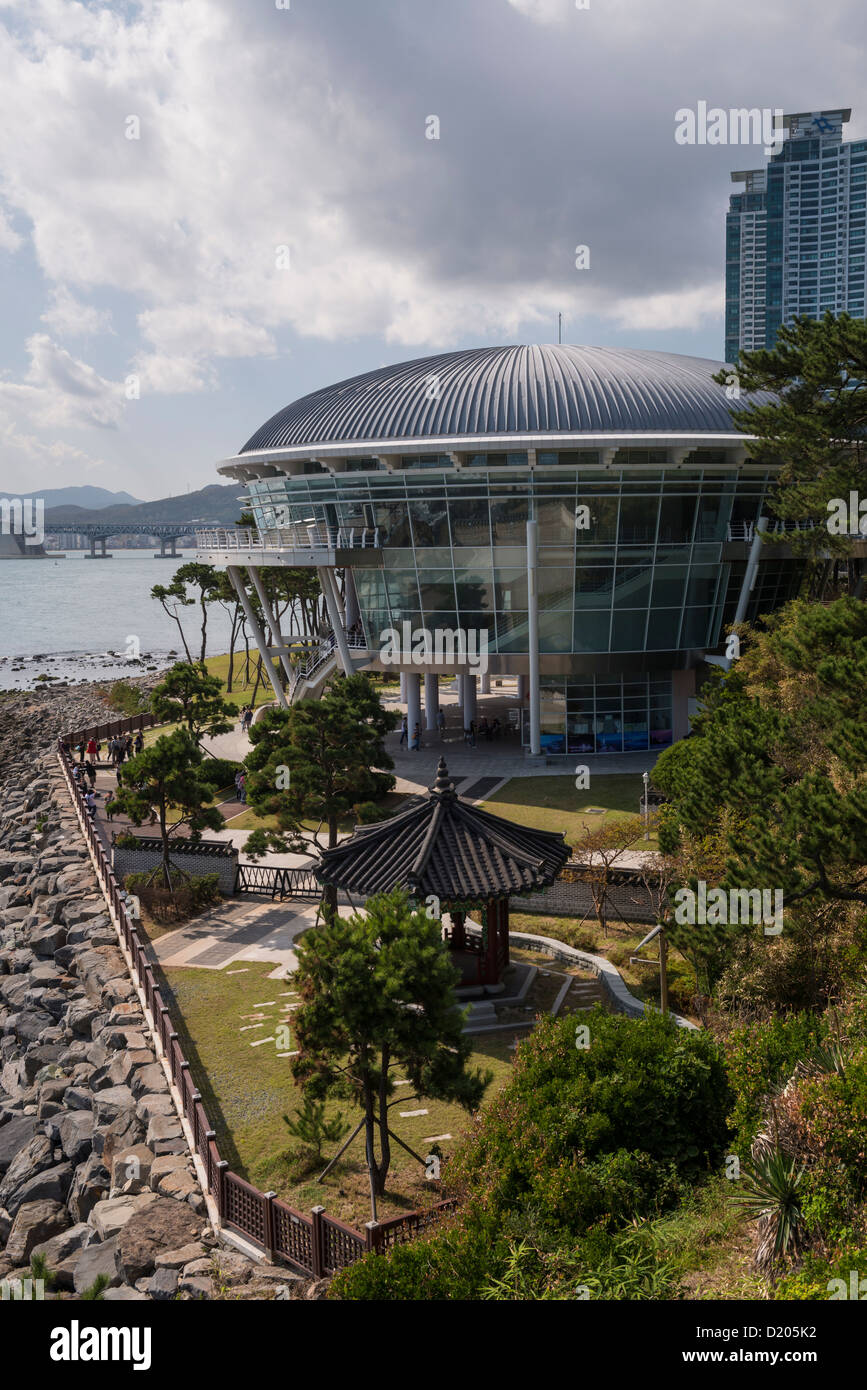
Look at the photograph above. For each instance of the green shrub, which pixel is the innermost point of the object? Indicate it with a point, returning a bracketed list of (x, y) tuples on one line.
[(759, 1056), (581, 1136), (453, 1264), (128, 699), (811, 1282)]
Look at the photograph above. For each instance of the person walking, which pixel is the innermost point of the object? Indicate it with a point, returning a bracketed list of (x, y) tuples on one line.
[(91, 749), (470, 734), (242, 789), (139, 742), (81, 749), (441, 724), (404, 732), (248, 718), (416, 738), (90, 772)]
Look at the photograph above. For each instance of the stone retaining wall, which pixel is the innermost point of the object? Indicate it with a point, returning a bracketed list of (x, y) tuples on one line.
[(125, 860)]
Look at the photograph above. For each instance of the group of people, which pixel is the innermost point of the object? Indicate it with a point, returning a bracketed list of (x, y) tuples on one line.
[(485, 729), (245, 719), (241, 787), (118, 749)]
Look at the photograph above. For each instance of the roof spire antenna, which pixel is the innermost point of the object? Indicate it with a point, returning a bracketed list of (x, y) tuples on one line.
[(559, 328)]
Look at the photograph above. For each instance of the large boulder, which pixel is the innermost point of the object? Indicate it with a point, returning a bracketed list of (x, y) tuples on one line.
[(113, 1213), (51, 1184), (34, 1223), (95, 1260), (15, 1136), (89, 1186), (162, 1225), (131, 1170), (76, 1135)]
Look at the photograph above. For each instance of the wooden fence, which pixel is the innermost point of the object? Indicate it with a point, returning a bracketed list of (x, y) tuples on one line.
[(316, 1244)]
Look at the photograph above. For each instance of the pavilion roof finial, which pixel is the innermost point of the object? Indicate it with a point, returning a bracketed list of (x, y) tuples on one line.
[(443, 784)]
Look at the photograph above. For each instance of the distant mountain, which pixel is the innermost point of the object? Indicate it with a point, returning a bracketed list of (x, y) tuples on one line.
[(89, 498), (216, 503)]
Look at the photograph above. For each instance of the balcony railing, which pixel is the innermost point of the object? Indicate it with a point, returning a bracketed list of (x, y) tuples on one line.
[(312, 538), (322, 653), (745, 530)]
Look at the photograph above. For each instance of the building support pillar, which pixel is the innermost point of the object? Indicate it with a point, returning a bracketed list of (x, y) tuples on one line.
[(533, 625), (273, 624), (258, 635), (332, 603), (468, 701), (403, 687), (485, 684), (750, 572), (413, 703), (353, 612), (522, 688), (431, 701)]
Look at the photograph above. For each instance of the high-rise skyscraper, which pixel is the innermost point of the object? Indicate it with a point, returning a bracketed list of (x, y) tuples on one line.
[(795, 235)]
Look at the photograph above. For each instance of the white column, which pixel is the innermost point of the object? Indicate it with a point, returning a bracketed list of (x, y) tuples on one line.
[(326, 579), (533, 625), (403, 687), (413, 703), (522, 688), (485, 684), (431, 701), (258, 635), (272, 623)]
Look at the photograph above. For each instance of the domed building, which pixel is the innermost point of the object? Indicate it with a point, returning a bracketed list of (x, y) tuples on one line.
[(586, 519)]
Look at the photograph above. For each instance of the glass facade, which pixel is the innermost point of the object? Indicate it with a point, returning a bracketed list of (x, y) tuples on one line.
[(618, 713), (641, 570)]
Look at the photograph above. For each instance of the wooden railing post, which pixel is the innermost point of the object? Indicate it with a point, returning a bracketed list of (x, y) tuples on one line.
[(372, 1229), (222, 1167), (317, 1242), (270, 1233), (210, 1138)]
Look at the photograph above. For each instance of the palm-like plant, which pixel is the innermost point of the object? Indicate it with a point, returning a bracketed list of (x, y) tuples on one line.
[(770, 1195)]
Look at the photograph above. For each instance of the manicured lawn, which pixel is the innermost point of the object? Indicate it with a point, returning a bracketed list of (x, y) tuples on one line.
[(246, 1091), (554, 803)]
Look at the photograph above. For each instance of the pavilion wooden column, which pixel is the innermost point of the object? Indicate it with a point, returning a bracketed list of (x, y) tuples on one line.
[(492, 919), (459, 939), (504, 928)]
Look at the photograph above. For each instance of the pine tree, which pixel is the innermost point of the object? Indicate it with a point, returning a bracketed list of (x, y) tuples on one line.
[(377, 992)]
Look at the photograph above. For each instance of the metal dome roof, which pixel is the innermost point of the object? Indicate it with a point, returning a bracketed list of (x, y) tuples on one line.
[(535, 389)]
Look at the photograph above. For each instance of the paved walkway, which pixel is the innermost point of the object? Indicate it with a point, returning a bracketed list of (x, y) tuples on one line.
[(241, 929)]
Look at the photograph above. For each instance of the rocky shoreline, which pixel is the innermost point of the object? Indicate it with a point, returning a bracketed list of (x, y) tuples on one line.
[(96, 1175)]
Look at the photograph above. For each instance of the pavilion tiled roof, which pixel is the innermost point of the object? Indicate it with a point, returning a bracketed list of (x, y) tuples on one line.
[(445, 847)]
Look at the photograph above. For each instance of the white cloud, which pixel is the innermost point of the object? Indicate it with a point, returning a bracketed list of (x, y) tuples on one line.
[(688, 308), (68, 317), (60, 390)]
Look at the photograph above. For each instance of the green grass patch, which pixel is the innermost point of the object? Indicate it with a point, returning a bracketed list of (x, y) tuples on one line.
[(246, 1091), (554, 803)]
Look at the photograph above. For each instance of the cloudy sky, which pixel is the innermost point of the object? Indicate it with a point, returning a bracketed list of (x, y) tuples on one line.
[(211, 207)]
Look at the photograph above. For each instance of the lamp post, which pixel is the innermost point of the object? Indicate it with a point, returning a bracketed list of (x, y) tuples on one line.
[(646, 779)]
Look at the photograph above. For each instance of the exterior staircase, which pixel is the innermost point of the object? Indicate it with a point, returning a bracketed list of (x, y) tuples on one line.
[(311, 675)]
